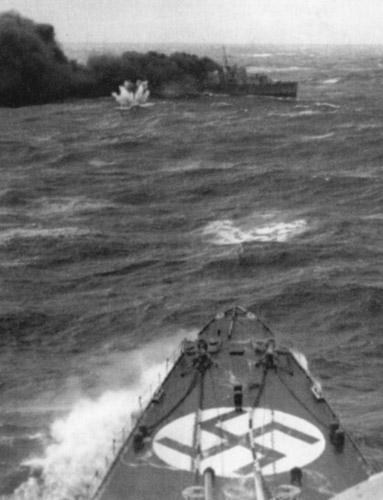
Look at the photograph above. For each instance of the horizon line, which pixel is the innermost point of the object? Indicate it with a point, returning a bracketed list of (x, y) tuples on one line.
[(239, 44)]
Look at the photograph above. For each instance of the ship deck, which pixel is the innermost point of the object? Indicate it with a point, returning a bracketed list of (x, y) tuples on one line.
[(235, 407)]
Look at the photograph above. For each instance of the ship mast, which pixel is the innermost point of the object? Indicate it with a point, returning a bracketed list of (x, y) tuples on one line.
[(226, 67), (225, 60)]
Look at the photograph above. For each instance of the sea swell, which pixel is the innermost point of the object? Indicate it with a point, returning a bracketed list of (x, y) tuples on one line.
[(120, 230)]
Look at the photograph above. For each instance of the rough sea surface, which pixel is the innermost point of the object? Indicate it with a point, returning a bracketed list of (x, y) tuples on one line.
[(123, 231)]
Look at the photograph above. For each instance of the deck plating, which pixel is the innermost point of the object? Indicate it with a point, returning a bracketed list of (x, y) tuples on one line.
[(238, 417)]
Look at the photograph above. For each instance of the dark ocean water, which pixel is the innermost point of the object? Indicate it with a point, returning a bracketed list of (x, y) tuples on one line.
[(122, 232)]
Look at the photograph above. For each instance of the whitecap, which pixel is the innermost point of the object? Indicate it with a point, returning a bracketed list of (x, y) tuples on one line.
[(100, 163), (271, 69), (191, 166), (331, 81), (222, 104), (317, 137), (368, 126), (14, 262), (327, 105), (377, 216), (50, 207), (226, 232), (297, 114), (43, 138)]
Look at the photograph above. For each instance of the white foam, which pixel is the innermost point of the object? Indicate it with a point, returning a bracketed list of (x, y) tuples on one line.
[(368, 126), (317, 137), (191, 166), (377, 216), (50, 207), (327, 105), (43, 138), (301, 359), (297, 114), (82, 441), (331, 81), (222, 104), (101, 163), (225, 232), (86, 441), (271, 69)]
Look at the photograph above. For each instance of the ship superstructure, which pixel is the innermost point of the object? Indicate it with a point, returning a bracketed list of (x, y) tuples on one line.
[(236, 80)]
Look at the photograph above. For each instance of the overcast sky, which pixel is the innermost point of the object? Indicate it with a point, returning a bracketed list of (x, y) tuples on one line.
[(219, 21)]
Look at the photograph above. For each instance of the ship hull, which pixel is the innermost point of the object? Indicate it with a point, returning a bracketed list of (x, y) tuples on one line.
[(236, 418), (273, 89)]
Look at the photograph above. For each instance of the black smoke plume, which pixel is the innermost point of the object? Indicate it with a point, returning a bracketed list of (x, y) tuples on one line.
[(35, 70), (33, 67)]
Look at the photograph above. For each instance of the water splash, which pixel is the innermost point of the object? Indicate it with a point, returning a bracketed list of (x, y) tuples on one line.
[(131, 95), (80, 451), (301, 359), (86, 441)]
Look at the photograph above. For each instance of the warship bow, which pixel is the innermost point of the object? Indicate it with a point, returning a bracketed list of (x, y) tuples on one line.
[(238, 417)]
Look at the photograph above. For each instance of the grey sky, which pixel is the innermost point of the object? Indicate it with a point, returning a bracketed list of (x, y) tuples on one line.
[(220, 21)]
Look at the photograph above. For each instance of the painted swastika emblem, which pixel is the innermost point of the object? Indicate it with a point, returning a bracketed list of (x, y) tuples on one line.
[(281, 441)]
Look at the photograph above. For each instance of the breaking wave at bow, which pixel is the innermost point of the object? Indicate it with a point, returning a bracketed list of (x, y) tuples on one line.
[(86, 441)]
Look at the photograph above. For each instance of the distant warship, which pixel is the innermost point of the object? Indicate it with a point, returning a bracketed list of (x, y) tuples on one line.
[(236, 80)]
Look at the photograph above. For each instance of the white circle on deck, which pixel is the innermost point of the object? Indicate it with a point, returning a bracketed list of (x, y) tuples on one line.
[(280, 440)]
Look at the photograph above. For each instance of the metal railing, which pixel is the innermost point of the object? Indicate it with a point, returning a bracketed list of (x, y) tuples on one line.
[(93, 489)]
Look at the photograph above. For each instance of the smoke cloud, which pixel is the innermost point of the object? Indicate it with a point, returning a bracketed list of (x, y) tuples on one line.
[(35, 70), (33, 66)]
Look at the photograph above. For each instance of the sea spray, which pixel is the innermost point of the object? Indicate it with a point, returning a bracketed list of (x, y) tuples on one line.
[(87, 440), (82, 448), (301, 359)]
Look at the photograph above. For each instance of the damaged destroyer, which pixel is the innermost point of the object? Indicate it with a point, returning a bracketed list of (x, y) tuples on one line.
[(234, 80)]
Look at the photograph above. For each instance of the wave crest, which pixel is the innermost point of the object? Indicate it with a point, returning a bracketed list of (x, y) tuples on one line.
[(226, 232)]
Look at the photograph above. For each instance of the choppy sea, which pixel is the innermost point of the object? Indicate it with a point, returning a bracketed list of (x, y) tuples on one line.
[(123, 231)]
